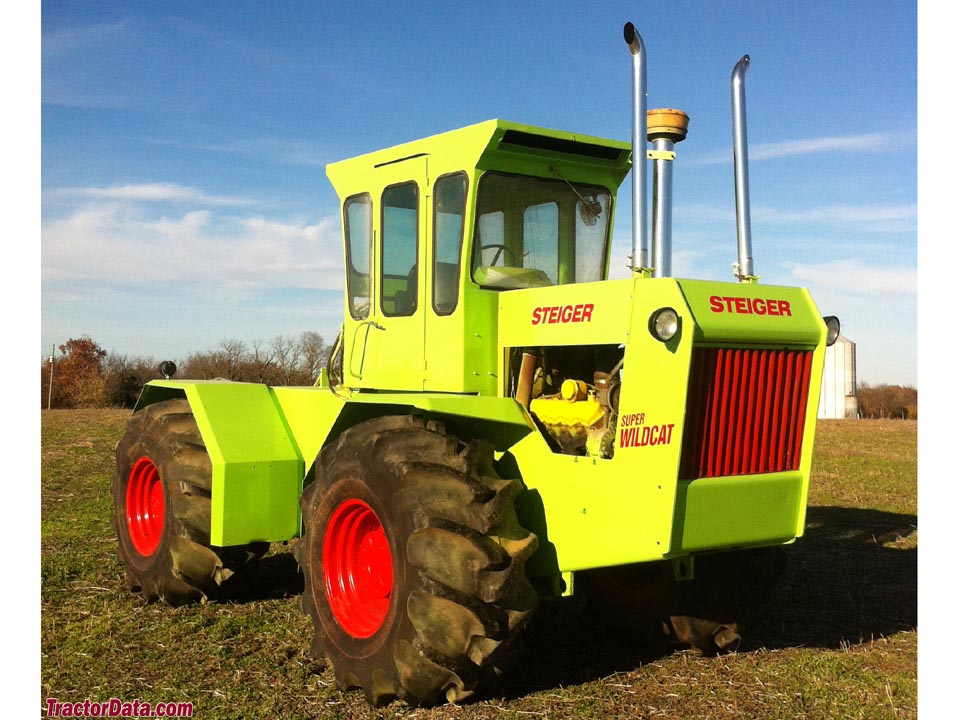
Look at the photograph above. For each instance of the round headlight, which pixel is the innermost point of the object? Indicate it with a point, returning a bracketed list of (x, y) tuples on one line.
[(833, 329), (168, 369), (664, 324)]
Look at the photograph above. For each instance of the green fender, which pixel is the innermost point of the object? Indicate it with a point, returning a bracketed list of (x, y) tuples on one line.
[(263, 440)]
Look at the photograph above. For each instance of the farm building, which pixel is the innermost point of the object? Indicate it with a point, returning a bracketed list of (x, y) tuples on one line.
[(838, 393)]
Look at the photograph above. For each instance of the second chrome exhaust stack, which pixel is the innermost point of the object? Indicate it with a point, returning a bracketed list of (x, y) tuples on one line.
[(743, 268)]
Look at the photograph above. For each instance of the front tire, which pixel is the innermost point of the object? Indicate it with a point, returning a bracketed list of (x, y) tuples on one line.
[(413, 563), (161, 492)]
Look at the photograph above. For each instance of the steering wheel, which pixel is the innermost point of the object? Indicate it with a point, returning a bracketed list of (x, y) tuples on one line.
[(501, 249)]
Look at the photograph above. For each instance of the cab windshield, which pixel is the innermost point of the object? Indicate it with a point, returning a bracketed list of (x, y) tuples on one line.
[(534, 232)]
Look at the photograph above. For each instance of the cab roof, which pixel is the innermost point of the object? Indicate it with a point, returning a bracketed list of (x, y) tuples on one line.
[(494, 144)]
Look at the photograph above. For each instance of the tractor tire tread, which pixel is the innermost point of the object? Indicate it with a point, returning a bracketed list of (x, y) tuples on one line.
[(466, 596)]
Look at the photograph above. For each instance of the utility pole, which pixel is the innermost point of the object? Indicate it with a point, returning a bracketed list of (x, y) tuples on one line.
[(53, 350)]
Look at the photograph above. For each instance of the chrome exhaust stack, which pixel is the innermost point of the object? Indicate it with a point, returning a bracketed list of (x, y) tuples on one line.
[(743, 268), (665, 128), (639, 257)]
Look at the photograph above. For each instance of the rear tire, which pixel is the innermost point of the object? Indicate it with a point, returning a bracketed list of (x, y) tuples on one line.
[(413, 563), (726, 597), (161, 492)]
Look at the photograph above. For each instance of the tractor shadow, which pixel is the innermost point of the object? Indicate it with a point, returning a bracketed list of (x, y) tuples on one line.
[(851, 578)]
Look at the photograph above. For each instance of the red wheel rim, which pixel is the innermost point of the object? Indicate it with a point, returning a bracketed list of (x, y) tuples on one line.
[(357, 568), (145, 506)]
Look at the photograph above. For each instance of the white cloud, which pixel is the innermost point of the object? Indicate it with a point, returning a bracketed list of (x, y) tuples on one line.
[(857, 214), (872, 218), (291, 151), (870, 142), (853, 277), (117, 245), (65, 57), (702, 213), (865, 143), (152, 192), (57, 43)]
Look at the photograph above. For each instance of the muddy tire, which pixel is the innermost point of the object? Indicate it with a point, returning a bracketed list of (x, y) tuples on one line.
[(161, 495), (413, 563)]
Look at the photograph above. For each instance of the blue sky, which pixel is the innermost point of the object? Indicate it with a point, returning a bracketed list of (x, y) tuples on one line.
[(183, 147)]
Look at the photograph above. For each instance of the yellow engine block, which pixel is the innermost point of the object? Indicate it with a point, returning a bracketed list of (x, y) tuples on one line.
[(575, 418)]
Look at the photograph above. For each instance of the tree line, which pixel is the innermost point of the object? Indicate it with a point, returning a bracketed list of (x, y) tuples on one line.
[(87, 376), (887, 401)]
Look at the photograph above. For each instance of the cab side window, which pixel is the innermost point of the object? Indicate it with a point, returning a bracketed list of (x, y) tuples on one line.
[(449, 204), (399, 248), (357, 226)]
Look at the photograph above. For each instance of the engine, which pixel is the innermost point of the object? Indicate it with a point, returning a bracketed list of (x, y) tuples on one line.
[(576, 416)]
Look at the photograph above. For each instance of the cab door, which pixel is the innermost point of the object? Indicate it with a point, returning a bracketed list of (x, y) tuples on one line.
[(393, 356)]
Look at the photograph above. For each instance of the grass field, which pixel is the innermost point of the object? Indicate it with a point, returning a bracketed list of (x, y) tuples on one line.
[(840, 641)]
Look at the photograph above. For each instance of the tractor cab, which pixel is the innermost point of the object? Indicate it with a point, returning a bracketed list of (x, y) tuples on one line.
[(435, 230)]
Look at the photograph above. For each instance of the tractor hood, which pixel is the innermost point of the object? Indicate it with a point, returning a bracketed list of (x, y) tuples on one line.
[(618, 312)]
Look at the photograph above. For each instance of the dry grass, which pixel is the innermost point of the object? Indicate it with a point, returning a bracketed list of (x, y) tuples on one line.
[(841, 641)]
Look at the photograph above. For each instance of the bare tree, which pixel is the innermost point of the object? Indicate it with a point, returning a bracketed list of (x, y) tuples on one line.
[(93, 378), (124, 378), (262, 362), (313, 356), (284, 351), (232, 357)]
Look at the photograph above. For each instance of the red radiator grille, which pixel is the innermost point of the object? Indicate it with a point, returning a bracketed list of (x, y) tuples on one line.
[(745, 411)]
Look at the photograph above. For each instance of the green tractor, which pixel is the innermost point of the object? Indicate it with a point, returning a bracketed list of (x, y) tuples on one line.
[(499, 424)]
